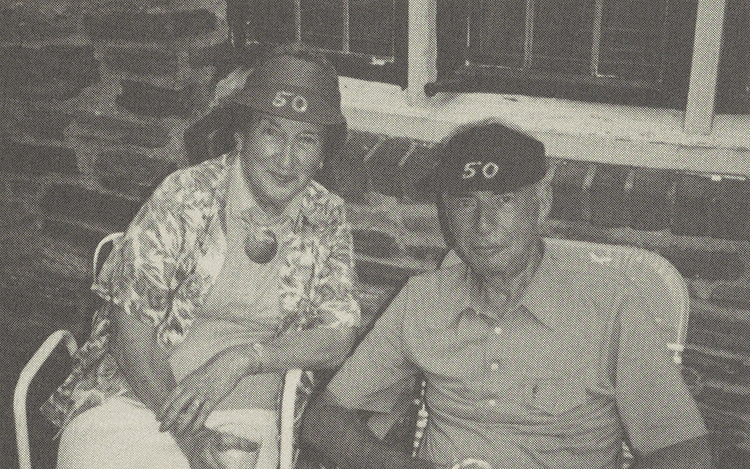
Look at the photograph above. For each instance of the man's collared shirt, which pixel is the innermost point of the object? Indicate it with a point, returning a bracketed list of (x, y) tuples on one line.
[(164, 267), (553, 383)]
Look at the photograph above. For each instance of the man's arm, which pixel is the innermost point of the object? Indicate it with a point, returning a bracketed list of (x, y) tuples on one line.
[(661, 418), (341, 436), (690, 454), (373, 379)]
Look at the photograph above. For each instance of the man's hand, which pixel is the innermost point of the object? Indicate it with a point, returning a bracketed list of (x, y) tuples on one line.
[(197, 395), (201, 448), (342, 437)]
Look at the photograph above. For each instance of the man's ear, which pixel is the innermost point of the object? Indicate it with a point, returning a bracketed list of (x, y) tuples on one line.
[(239, 140), (445, 224), (544, 195)]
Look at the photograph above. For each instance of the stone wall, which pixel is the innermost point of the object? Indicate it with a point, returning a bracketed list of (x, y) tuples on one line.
[(96, 96)]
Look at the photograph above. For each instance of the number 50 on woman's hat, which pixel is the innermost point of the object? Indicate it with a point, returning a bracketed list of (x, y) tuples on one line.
[(297, 83)]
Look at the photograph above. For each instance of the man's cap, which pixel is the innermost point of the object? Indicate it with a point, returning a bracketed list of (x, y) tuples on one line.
[(297, 83), (488, 156)]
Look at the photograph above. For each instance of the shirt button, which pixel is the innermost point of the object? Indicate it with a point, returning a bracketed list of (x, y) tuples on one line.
[(498, 330), (495, 366), (492, 402)]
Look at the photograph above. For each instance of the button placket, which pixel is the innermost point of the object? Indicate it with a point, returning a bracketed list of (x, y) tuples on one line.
[(494, 379)]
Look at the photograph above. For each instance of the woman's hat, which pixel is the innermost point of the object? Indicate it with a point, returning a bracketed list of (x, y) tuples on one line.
[(297, 83)]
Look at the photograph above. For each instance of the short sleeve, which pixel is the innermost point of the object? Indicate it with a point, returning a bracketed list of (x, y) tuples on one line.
[(139, 272), (378, 373), (654, 403), (332, 295), (335, 302)]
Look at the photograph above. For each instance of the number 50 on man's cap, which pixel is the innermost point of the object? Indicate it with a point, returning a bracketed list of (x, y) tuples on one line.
[(488, 155)]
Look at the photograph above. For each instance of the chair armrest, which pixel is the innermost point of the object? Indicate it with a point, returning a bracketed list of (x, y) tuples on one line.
[(22, 388), (286, 431)]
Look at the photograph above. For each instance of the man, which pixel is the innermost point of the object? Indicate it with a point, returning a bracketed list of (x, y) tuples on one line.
[(531, 360)]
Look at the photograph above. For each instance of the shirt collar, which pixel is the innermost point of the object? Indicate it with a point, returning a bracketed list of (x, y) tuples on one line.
[(540, 297), (543, 293)]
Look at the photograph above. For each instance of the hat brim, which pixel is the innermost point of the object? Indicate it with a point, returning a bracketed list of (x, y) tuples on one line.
[(291, 102)]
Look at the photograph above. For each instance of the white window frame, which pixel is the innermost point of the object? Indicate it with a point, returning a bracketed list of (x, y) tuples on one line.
[(703, 75), (709, 25), (695, 140)]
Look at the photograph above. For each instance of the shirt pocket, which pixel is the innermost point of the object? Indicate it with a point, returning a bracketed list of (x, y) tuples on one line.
[(555, 396)]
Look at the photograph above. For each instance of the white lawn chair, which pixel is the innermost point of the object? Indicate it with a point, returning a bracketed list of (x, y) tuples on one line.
[(654, 276), (287, 450)]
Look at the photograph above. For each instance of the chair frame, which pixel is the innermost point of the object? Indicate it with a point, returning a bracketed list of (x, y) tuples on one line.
[(292, 379), (625, 255), (611, 254), (618, 256)]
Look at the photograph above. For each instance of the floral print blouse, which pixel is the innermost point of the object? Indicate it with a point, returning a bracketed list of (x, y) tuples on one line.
[(164, 267)]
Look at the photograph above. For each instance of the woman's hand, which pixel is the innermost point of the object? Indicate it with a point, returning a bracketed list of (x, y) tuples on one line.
[(202, 448), (197, 395)]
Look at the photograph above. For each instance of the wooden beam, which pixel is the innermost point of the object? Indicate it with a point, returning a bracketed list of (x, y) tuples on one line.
[(709, 27), (422, 49), (298, 20)]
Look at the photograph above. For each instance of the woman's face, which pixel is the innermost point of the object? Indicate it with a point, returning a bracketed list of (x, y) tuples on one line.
[(279, 157)]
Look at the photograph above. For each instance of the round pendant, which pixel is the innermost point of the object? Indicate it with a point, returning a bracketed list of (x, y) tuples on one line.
[(261, 245)]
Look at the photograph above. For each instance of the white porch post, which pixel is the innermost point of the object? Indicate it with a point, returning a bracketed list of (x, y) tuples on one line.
[(422, 49), (709, 27)]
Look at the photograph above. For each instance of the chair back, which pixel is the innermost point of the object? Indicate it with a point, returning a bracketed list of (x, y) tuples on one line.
[(41, 355), (103, 249), (654, 276)]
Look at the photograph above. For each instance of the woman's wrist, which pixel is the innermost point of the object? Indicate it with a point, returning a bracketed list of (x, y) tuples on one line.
[(259, 353)]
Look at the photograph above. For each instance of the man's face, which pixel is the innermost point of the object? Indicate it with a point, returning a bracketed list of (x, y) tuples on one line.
[(494, 232), (279, 157)]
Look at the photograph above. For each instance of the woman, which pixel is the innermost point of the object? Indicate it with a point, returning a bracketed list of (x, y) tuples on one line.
[(234, 271)]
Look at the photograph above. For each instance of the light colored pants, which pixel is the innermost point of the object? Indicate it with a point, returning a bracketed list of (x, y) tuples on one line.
[(124, 434)]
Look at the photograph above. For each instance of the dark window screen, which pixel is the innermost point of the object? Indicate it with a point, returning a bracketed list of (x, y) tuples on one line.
[(622, 51), (364, 38)]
